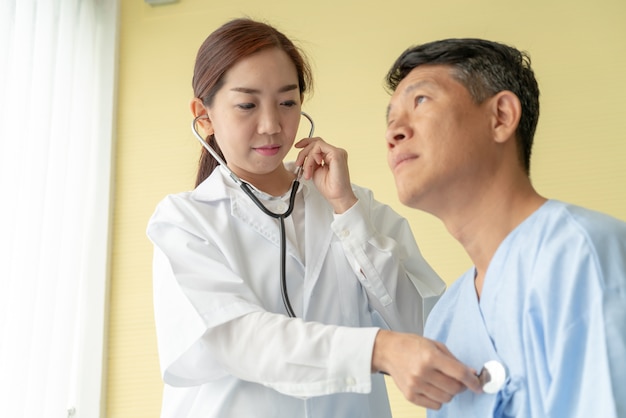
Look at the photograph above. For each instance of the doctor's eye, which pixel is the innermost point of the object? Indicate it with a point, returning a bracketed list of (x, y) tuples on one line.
[(246, 106), (289, 103)]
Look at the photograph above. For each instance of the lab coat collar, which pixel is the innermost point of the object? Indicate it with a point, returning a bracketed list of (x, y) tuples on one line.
[(219, 185)]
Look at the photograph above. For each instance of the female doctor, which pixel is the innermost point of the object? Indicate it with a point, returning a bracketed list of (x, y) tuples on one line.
[(229, 344)]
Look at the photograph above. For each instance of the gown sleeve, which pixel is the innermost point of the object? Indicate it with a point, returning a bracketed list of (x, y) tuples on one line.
[(382, 251), (576, 337)]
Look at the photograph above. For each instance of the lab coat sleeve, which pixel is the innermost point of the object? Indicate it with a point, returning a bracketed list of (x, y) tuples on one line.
[(296, 358), (210, 329), (185, 304), (180, 326), (380, 246)]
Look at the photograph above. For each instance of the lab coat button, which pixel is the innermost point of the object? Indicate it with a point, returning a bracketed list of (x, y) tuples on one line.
[(345, 233), (281, 207), (351, 381)]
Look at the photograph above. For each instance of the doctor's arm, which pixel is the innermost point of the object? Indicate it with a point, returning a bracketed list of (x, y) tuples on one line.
[(206, 333), (378, 242), (305, 359), (424, 370), (208, 329), (292, 356)]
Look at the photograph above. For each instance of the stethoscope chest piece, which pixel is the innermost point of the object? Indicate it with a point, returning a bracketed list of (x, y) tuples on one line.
[(492, 376)]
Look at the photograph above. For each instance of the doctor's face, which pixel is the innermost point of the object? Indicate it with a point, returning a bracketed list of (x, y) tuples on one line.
[(435, 137), (255, 114)]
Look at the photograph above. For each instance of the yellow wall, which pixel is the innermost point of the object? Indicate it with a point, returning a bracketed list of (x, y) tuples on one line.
[(579, 53)]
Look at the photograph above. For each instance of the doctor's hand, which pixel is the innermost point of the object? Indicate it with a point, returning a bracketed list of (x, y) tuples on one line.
[(425, 371), (328, 167)]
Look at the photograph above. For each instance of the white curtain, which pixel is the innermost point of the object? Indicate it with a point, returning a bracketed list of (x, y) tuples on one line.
[(57, 84)]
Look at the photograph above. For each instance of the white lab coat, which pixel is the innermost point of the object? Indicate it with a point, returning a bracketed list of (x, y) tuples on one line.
[(226, 347)]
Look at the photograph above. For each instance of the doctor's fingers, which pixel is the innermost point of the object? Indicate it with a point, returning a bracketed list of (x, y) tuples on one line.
[(428, 387), (452, 368), (424, 401), (440, 387), (317, 153), (429, 396)]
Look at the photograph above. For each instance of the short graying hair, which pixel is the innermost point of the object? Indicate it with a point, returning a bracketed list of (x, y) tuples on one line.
[(485, 68)]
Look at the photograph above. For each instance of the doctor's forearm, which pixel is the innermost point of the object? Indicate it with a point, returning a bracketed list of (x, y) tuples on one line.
[(294, 357), (383, 264)]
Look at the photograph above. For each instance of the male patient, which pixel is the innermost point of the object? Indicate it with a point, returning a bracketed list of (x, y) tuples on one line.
[(547, 294)]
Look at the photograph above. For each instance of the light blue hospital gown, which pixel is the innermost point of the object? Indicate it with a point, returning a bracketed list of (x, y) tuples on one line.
[(553, 311)]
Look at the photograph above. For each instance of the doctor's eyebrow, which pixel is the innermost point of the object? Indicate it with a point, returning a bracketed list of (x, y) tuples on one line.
[(288, 87)]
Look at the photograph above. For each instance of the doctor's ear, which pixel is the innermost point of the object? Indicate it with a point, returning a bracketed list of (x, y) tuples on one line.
[(198, 109)]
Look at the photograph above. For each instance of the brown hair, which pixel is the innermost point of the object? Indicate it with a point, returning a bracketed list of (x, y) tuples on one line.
[(228, 44)]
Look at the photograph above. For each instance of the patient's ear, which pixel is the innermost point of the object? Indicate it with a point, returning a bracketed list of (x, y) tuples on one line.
[(507, 111), (198, 109)]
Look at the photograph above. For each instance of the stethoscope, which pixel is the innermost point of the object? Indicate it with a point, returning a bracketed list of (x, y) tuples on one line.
[(492, 376), (280, 216)]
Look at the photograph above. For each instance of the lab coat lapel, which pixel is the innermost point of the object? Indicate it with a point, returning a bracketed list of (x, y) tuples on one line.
[(219, 186), (247, 212), (317, 217)]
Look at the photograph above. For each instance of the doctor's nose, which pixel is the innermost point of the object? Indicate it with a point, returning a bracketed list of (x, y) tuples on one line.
[(397, 131), (269, 122)]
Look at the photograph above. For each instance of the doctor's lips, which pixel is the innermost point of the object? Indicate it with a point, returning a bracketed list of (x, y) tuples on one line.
[(268, 150)]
